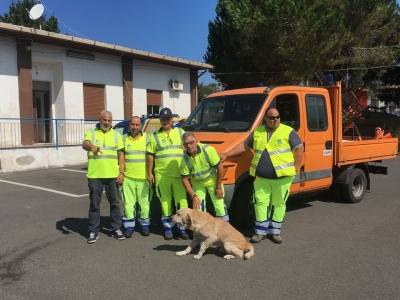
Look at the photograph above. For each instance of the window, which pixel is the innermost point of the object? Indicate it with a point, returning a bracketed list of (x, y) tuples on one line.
[(233, 113), (93, 100), (316, 113), (153, 101), (288, 108)]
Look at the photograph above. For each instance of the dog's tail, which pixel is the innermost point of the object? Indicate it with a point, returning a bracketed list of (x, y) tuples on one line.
[(248, 251)]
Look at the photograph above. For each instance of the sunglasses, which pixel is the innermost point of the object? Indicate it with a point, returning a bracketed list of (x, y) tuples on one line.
[(274, 117)]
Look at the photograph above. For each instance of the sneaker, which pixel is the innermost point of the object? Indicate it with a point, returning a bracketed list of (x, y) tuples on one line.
[(145, 232), (118, 235), (183, 235), (93, 236), (275, 238), (257, 238), (128, 233), (168, 235)]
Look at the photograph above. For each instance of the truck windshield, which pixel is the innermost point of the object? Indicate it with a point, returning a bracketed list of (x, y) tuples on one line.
[(234, 113)]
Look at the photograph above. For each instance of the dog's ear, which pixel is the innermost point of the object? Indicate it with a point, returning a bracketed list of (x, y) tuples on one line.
[(189, 218)]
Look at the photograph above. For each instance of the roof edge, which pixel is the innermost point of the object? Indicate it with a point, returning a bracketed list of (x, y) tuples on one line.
[(17, 31)]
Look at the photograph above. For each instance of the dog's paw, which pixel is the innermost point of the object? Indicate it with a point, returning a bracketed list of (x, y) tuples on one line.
[(228, 256), (196, 257), (181, 253)]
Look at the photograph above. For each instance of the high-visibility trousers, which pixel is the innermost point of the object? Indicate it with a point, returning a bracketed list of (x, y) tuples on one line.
[(269, 198), (218, 203), (136, 190), (168, 188)]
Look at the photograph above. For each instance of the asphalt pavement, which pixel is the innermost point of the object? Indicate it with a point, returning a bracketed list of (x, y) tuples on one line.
[(330, 250)]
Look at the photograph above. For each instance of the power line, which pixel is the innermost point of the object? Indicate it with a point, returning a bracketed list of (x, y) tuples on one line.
[(62, 21)]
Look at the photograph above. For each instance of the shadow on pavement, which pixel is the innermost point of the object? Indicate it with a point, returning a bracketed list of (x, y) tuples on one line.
[(176, 248), (304, 201), (80, 226)]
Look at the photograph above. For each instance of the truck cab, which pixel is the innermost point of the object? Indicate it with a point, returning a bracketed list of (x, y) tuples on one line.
[(225, 119)]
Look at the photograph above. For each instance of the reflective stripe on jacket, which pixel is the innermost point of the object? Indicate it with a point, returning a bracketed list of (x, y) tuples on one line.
[(135, 156), (168, 154), (278, 148), (105, 164), (202, 172)]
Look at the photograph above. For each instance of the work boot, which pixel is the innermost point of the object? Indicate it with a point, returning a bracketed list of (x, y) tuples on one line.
[(168, 235), (275, 238), (145, 231), (257, 238), (128, 233), (183, 235)]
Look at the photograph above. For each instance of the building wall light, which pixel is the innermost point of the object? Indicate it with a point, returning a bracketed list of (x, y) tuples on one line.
[(82, 55)]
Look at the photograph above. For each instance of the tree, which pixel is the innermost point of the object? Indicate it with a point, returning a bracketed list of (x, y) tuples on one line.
[(18, 14), (204, 90), (275, 42)]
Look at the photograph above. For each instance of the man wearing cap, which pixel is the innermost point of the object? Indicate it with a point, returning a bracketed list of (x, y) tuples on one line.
[(106, 165), (201, 164), (164, 152), (136, 185)]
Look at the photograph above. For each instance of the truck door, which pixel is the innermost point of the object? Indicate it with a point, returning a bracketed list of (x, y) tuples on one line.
[(290, 109), (316, 169)]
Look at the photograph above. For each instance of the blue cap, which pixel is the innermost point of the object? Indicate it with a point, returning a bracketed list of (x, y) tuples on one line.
[(166, 113)]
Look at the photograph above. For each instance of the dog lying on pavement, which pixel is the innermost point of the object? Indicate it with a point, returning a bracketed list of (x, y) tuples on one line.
[(208, 230)]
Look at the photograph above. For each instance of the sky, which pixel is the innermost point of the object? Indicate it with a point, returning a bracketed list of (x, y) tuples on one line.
[(176, 28)]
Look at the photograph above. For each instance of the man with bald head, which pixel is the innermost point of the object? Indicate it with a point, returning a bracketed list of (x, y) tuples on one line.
[(136, 188), (278, 151)]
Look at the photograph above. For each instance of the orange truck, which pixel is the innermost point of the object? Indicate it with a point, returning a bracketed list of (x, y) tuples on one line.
[(335, 155)]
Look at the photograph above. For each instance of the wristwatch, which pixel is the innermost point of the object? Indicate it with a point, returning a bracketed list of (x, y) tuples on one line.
[(123, 173), (192, 197)]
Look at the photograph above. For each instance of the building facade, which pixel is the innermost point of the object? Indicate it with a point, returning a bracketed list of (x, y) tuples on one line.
[(52, 85)]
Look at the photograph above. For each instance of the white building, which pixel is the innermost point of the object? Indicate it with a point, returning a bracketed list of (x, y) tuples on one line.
[(66, 79)]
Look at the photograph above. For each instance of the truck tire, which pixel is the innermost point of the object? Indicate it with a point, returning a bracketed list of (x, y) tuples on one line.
[(242, 212), (354, 191)]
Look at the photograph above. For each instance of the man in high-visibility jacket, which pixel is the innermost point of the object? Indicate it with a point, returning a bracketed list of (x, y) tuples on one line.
[(201, 164), (278, 151), (164, 152), (136, 185), (106, 165)]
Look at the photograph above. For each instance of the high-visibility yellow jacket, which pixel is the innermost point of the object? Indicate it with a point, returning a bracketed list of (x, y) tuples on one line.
[(135, 155), (278, 148), (105, 164), (202, 168), (167, 150)]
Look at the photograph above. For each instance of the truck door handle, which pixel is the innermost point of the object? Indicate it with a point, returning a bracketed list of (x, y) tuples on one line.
[(328, 145), (302, 176)]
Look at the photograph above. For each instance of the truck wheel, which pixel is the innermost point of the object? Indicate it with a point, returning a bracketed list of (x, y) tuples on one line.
[(242, 212), (354, 191)]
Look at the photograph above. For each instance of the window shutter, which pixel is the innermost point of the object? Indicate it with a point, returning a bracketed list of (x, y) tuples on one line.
[(93, 100)]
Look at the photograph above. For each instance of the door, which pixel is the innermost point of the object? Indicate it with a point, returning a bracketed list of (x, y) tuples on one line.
[(316, 170), (289, 107), (47, 116), (42, 114)]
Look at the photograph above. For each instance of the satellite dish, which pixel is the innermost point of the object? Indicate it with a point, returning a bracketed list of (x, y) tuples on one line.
[(36, 11)]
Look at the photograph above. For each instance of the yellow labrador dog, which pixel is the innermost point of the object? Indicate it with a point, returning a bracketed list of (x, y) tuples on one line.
[(208, 230)]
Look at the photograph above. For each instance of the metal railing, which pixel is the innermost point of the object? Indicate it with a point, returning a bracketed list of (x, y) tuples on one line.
[(37, 132)]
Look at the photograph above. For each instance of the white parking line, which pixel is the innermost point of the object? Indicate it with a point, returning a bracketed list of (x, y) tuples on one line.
[(73, 170), (44, 189)]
